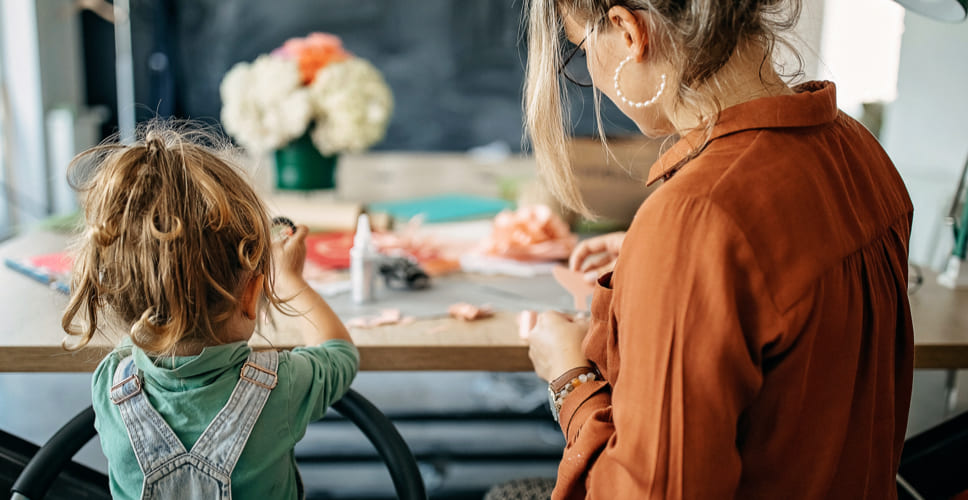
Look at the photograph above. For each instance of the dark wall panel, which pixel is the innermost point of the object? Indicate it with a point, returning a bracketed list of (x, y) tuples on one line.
[(456, 67)]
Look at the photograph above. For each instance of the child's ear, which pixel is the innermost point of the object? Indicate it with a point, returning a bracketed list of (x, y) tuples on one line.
[(250, 296)]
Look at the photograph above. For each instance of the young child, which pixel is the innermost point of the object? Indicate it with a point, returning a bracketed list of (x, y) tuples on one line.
[(177, 252)]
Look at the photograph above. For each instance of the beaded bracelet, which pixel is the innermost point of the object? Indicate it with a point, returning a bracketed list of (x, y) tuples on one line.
[(556, 398)]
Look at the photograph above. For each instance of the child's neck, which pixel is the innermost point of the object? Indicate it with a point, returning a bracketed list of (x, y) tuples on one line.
[(188, 348), (235, 330)]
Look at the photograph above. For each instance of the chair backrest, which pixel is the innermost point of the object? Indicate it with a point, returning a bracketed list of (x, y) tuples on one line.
[(37, 477), (933, 461), (388, 442)]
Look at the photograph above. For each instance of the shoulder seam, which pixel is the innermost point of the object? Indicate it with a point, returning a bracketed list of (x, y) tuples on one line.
[(873, 239), (705, 198)]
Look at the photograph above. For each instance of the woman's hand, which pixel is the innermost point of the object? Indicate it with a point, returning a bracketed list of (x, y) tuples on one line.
[(556, 344), (596, 256), (288, 261)]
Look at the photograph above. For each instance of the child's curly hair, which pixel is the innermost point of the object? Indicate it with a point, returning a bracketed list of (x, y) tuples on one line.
[(173, 232)]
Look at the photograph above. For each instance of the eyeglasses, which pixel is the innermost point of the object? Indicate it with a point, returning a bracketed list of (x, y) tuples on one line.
[(575, 66)]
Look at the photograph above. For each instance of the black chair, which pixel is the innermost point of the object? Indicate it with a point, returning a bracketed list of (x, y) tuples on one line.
[(933, 462), (39, 474)]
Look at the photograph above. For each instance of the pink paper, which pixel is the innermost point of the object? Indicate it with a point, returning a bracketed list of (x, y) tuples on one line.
[(574, 282), (526, 322), (468, 312), (386, 317)]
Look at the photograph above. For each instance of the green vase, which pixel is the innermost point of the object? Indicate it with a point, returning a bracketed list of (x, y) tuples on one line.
[(300, 166)]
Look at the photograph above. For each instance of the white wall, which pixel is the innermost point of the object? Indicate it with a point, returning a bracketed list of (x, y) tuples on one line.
[(43, 78), (926, 128), (28, 165), (806, 37), (926, 134), (860, 43), (67, 123), (5, 142)]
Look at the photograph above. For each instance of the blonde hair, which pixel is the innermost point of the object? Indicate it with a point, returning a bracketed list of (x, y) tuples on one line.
[(172, 233), (697, 37)]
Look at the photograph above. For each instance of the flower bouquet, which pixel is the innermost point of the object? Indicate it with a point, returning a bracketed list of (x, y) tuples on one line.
[(308, 101)]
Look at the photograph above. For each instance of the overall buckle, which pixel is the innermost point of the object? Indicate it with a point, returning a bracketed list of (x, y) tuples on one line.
[(120, 385), (249, 364)]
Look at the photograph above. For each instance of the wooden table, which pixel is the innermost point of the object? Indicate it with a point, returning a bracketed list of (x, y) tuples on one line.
[(940, 325), (31, 335)]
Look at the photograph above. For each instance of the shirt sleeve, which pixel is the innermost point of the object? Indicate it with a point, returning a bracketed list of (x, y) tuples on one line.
[(689, 301), (125, 479), (101, 382), (319, 376)]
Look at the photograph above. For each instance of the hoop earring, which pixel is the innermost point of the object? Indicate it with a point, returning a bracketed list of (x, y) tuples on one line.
[(640, 104)]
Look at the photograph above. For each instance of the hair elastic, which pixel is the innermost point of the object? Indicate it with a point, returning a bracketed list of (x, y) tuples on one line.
[(286, 222)]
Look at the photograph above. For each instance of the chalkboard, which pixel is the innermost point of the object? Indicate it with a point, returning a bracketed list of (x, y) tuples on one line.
[(456, 67)]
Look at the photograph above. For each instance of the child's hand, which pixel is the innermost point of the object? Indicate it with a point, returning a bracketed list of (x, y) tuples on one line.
[(288, 261)]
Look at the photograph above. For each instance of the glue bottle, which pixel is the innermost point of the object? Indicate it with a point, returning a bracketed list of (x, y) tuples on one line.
[(363, 262)]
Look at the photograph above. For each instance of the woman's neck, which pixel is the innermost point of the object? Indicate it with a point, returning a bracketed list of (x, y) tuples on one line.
[(748, 75)]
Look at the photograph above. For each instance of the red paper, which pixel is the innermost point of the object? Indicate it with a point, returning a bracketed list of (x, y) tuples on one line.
[(54, 263), (329, 250)]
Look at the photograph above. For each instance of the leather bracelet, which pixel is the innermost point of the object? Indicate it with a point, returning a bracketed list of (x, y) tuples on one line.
[(572, 379), (559, 383)]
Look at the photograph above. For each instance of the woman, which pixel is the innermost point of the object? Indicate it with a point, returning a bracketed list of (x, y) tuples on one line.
[(754, 339)]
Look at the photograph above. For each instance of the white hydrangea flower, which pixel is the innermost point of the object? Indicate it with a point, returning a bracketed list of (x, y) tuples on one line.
[(353, 105), (264, 105)]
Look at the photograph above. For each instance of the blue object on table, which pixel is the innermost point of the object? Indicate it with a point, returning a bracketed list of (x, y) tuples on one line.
[(443, 208), (38, 274)]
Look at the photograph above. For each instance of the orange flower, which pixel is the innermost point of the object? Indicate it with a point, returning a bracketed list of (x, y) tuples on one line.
[(314, 52)]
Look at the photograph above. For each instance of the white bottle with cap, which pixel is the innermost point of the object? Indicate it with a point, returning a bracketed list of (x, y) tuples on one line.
[(363, 262)]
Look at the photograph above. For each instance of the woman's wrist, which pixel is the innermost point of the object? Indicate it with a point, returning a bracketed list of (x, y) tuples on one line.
[(564, 384), (572, 362)]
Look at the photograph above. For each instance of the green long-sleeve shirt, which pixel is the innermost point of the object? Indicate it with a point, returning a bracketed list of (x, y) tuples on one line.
[(189, 391)]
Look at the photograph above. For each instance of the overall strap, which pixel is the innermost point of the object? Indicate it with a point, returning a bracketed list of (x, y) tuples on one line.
[(222, 442), (151, 438)]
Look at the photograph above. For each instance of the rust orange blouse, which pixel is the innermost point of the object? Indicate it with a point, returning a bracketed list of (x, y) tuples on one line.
[(755, 336)]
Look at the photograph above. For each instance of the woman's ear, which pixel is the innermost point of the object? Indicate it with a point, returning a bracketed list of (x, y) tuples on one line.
[(633, 30), (250, 296)]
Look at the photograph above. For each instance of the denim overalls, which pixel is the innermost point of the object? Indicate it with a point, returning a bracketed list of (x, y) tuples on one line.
[(205, 471)]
